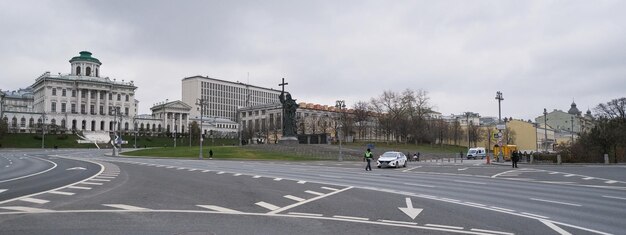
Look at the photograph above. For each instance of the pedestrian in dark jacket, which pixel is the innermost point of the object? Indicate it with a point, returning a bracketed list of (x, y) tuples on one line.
[(514, 158)]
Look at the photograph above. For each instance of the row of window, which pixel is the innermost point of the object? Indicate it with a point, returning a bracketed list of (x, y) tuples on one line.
[(92, 94), (87, 71), (92, 111)]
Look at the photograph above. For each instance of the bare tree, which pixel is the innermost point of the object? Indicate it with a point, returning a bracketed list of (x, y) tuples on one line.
[(361, 117)]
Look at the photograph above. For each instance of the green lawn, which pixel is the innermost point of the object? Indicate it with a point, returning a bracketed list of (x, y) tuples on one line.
[(219, 152)]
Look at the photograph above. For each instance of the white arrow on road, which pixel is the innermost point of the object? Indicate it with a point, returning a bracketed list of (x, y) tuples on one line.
[(76, 168), (2, 190), (409, 210)]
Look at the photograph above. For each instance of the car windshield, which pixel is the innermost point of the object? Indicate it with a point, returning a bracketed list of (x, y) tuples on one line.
[(472, 151), (388, 154)]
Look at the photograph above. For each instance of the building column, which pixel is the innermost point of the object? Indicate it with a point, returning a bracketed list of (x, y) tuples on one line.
[(88, 102), (97, 108), (78, 93)]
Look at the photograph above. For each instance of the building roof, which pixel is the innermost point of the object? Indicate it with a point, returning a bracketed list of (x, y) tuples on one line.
[(85, 56), (233, 83), (573, 110)]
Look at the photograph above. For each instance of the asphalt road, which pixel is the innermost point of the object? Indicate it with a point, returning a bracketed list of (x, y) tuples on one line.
[(169, 196)]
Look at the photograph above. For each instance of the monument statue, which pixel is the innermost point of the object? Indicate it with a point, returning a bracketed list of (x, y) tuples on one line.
[(289, 112)]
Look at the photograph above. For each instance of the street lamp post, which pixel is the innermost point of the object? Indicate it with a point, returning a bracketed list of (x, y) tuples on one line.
[(499, 98), (572, 132), (115, 111), (201, 103), (175, 129), (135, 127), (545, 128), (340, 104)]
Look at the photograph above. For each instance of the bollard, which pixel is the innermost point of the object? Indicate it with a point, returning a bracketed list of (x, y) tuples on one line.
[(558, 159), (606, 158)]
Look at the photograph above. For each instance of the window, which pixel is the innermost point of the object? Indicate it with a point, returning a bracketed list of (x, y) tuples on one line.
[(73, 108), (126, 111), (119, 97), (127, 96), (92, 94), (23, 122), (92, 109), (102, 111), (82, 110), (97, 74), (83, 94), (88, 71), (110, 96), (31, 122), (63, 93), (63, 107), (54, 91), (78, 70), (53, 107), (73, 93)]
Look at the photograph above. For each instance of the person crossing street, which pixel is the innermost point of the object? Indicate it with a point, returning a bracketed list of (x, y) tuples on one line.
[(368, 157)]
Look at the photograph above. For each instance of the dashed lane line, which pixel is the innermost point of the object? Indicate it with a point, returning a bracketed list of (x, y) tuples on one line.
[(278, 179), (126, 207), (307, 201), (238, 174), (301, 182), (314, 193), (556, 202), (444, 226), (25, 209), (420, 185), (221, 172), (91, 183), (62, 193), (34, 200), (329, 188), (491, 231), (101, 180), (620, 198), (219, 208), (397, 222), (79, 187), (610, 181), (54, 165), (304, 214), (205, 171), (256, 176), (268, 206), (469, 182), (350, 217), (298, 199), (3, 190), (502, 209)]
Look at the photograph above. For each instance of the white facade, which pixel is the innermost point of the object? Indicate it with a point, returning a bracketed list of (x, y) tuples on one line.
[(223, 98), (80, 100)]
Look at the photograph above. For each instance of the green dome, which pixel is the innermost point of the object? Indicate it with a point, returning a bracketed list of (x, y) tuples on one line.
[(85, 56)]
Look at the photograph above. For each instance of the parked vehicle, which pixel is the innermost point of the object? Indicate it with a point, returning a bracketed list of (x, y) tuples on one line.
[(474, 153), (392, 159)]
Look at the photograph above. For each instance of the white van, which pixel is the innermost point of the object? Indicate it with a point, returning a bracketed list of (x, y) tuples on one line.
[(476, 153)]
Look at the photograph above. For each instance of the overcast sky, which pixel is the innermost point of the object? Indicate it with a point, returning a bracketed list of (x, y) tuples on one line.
[(540, 54)]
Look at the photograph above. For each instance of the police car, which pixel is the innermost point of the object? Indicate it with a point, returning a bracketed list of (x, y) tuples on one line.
[(391, 159)]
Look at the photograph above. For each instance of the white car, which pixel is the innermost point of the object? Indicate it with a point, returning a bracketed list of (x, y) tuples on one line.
[(392, 159)]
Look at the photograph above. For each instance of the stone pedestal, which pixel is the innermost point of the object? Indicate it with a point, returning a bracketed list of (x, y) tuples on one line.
[(288, 140)]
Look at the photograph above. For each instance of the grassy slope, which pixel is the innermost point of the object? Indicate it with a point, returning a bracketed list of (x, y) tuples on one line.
[(219, 152)]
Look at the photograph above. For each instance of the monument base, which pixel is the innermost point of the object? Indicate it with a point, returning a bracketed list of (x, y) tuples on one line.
[(288, 140)]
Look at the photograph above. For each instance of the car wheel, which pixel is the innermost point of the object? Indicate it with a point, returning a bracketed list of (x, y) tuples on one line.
[(378, 166), (404, 164), (397, 165)]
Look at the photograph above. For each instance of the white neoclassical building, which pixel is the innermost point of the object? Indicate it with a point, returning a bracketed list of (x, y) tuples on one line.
[(81, 100)]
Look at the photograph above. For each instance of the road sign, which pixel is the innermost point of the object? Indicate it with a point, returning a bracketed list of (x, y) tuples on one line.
[(409, 210), (501, 126)]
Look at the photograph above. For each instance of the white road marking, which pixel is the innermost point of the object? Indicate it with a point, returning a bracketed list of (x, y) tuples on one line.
[(444, 226), (79, 187), (350, 217), (34, 200), (105, 177), (301, 182), (420, 185), (556, 182), (221, 172), (469, 182), (610, 181), (125, 207), (236, 174), (490, 231), (294, 198), (205, 171), (502, 209), (588, 178), (621, 198), (62, 193), (41, 172), (314, 193), (331, 189), (278, 179), (462, 169), (219, 208), (101, 180), (535, 215), (2, 190), (256, 176), (307, 201), (412, 168), (569, 175), (502, 173), (169, 167), (192, 169), (557, 202), (305, 214), (555, 228), (90, 183), (397, 222), (25, 209), (267, 206), (475, 204), (553, 173), (180, 168)]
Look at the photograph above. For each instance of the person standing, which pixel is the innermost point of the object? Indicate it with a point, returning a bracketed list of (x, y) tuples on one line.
[(514, 159), (368, 157), (210, 153)]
